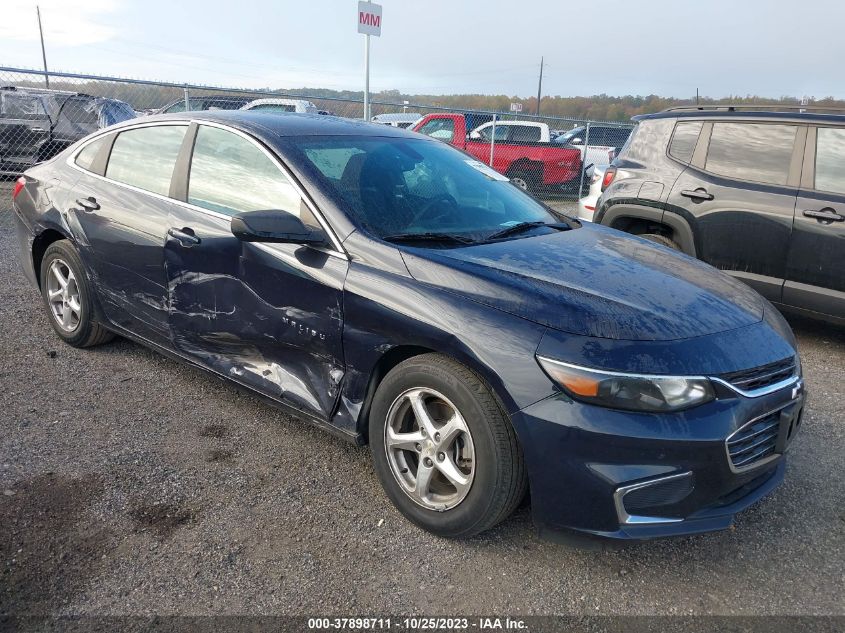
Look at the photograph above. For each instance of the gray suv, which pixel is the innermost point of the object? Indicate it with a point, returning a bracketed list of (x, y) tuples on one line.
[(757, 193)]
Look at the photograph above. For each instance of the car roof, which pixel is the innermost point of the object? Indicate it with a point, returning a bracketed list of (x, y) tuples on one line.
[(278, 100), (287, 125), (769, 115)]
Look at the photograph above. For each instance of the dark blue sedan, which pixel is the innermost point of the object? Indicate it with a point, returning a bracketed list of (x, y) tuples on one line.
[(397, 292)]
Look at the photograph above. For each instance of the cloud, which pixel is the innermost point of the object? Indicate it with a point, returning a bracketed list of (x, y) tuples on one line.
[(66, 22)]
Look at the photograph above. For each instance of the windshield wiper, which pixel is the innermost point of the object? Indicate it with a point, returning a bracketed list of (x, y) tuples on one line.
[(429, 237), (524, 226)]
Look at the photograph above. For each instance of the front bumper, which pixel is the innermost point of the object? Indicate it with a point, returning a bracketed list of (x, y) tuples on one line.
[(625, 475)]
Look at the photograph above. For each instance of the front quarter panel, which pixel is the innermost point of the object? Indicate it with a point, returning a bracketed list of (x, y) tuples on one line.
[(386, 308)]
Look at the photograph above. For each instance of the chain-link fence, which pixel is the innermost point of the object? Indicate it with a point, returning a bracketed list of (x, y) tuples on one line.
[(41, 115)]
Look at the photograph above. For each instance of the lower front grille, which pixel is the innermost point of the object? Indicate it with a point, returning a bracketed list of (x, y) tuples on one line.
[(662, 493), (756, 441)]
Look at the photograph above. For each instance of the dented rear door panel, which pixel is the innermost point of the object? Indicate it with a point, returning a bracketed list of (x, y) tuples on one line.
[(268, 316)]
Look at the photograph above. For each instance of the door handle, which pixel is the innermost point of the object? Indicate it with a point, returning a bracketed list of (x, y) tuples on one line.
[(88, 204), (697, 195), (824, 215), (184, 236)]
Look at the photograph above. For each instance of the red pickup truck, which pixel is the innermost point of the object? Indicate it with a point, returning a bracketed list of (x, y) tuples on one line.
[(531, 166)]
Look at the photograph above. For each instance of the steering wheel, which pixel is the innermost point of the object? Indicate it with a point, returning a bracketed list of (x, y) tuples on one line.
[(432, 204)]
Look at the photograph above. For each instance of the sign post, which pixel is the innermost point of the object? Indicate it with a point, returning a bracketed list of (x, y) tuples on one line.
[(369, 23)]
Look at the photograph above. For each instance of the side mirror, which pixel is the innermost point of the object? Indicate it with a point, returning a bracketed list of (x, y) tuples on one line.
[(576, 141), (274, 226), (475, 135)]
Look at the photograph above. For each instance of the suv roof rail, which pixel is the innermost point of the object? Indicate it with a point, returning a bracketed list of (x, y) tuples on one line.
[(731, 107)]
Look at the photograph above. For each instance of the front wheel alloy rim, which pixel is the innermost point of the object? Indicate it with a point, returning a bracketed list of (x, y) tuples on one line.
[(429, 449), (520, 182), (63, 295)]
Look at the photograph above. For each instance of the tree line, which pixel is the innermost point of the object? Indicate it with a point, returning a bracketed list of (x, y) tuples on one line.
[(601, 107)]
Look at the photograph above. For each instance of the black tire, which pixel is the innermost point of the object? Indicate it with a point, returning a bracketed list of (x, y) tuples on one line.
[(87, 331), (661, 239), (524, 180), (500, 481)]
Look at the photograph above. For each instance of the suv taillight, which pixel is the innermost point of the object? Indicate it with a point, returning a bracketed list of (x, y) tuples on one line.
[(19, 185), (609, 175)]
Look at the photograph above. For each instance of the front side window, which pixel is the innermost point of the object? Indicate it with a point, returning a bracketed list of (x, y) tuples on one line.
[(443, 129), (830, 159), (230, 174), (501, 133), (684, 140), (758, 152), (400, 186), (145, 157)]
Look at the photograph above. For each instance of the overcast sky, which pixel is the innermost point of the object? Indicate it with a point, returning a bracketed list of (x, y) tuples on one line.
[(666, 47)]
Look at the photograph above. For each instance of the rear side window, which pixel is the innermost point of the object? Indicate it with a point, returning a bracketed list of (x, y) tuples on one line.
[(525, 133), (443, 129), (145, 157), (830, 159), (757, 152), (230, 174), (86, 157), (684, 140)]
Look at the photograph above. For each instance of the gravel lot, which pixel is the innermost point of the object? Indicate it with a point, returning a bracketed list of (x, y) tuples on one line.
[(134, 485)]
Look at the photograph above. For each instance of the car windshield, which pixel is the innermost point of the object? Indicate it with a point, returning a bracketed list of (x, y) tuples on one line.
[(405, 187), (568, 136)]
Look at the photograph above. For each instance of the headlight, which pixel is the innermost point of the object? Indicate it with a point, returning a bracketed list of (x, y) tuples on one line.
[(631, 392)]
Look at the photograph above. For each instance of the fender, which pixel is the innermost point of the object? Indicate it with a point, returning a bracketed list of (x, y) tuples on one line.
[(610, 214)]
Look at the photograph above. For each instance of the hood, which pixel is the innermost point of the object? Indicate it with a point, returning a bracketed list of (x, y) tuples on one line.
[(593, 281)]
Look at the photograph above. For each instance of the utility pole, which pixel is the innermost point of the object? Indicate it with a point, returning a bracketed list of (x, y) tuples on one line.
[(367, 77), (540, 86), (43, 52), (696, 96)]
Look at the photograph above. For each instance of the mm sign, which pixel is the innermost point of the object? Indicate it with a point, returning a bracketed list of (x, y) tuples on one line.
[(516, 107), (369, 18)]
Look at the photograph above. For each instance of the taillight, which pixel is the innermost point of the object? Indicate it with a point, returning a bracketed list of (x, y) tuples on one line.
[(20, 183), (609, 175)]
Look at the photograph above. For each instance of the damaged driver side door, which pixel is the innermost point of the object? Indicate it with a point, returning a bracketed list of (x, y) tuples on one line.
[(268, 316)]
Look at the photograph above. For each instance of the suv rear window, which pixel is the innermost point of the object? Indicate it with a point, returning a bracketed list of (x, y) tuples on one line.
[(759, 152), (684, 140)]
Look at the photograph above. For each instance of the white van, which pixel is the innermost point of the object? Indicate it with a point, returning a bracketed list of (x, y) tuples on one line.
[(274, 104), (397, 119)]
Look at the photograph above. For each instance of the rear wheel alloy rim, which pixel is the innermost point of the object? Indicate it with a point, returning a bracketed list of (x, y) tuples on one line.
[(63, 295), (429, 449), (520, 182)]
